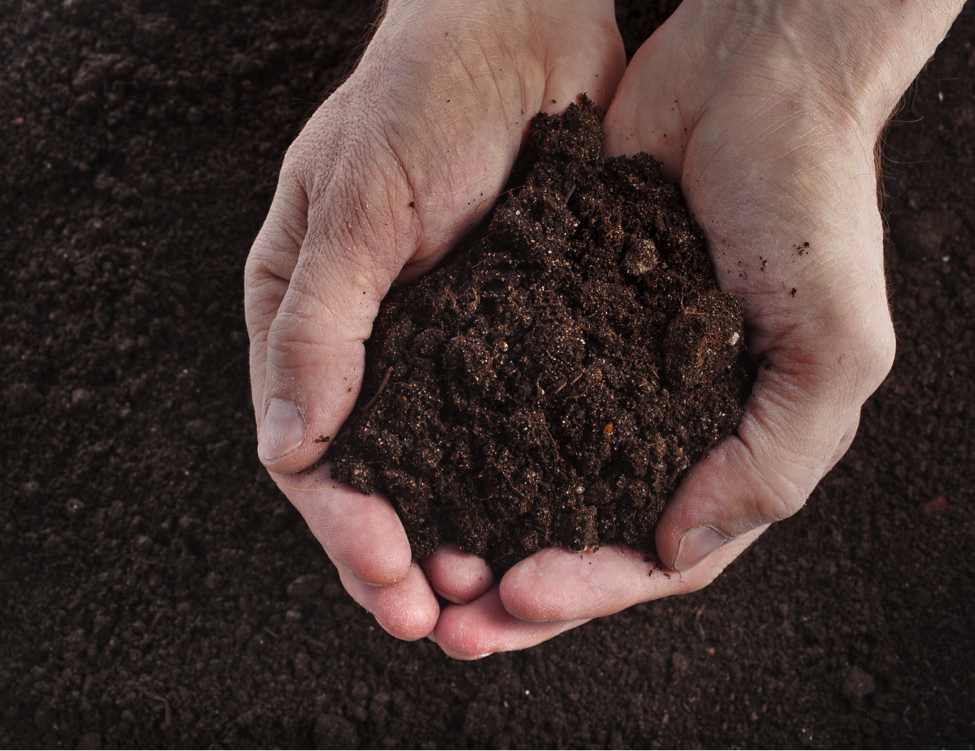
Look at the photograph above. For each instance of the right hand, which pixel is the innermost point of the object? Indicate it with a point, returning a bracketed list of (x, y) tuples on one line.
[(388, 176)]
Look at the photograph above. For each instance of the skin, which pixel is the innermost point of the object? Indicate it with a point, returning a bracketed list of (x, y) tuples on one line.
[(766, 113)]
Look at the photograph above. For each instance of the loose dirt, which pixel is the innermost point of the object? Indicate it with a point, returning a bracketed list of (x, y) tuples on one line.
[(550, 384)]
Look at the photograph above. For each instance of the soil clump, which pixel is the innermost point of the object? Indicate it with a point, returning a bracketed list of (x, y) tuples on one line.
[(552, 381)]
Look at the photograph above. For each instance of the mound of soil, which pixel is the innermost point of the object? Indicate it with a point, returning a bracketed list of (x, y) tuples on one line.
[(550, 384)]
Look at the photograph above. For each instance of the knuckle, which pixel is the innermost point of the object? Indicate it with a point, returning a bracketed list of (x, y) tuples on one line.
[(879, 355), (778, 466), (261, 296), (858, 355), (777, 499), (292, 329), (872, 350)]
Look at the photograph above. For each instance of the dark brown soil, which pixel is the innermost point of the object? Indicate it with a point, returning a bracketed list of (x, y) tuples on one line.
[(550, 384), (146, 560)]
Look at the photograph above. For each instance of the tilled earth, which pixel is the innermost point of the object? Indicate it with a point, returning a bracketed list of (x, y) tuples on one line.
[(156, 589)]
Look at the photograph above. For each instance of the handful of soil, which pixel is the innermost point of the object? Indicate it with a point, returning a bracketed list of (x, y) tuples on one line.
[(550, 383)]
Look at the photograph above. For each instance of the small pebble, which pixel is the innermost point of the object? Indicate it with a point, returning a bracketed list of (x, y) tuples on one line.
[(80, 398), (90, 742), (640, 256), (858, 684), (334, 731), (212, 581), (200, 431), (936, 505), (305, 586), (22, 398)]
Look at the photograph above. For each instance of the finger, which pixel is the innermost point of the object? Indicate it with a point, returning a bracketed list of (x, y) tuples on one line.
[(270, 264), (484, 627), (593, 65), (646, 114), (315, 352), (407, 609), (558, 585), (361, 533), (309, 308), (457, 576)]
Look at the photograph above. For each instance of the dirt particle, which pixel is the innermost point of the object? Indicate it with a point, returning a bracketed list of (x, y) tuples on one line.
[(858, 684), (640, 256), (305, 586), (22, 399), (936, 505), (91, 741), (200, 431)]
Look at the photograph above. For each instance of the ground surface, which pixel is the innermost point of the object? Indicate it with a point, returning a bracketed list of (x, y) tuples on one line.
[(147, 571)]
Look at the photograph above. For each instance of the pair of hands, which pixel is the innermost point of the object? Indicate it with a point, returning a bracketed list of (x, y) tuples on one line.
[(766, 113)]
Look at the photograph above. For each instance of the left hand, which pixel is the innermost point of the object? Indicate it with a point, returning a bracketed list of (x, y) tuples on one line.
[(772, 152)]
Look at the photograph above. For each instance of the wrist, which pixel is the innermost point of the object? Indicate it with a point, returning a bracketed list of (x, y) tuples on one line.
[(849, 59)]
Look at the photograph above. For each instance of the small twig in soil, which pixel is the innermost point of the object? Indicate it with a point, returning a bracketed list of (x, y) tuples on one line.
[(572, 382), (505, 476), (167, 714), (382, 386)]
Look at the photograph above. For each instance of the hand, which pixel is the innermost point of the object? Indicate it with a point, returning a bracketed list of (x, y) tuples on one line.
[(389, 174), (768, 117)]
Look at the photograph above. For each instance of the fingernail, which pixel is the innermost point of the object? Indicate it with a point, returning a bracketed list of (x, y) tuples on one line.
[(697, 545), (432, 637), (282, 431)]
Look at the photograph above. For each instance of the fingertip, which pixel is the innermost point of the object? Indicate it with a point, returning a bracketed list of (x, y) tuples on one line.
[(282, 431), (407, 609), (523, 590), (457, 576), (695, 545), (285, 443), (460, 634)]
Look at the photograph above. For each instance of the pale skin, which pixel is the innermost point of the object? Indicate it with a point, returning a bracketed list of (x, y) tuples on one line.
[(766, 112)]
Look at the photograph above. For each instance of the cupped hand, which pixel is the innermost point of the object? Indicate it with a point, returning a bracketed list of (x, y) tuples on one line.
[(767, 114), (387, 176)]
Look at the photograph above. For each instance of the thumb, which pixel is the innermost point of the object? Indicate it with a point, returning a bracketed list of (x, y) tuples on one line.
[(800, 419), (314, 289)]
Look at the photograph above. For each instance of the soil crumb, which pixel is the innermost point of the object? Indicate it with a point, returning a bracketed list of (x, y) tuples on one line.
[(552, 381)]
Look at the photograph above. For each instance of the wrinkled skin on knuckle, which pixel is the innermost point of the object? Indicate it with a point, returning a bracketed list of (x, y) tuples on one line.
[(294, 334), (877, 348), (854, 360), (261, 295)]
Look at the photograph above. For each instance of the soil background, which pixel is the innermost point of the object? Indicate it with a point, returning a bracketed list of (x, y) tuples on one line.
[(156, 589)]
